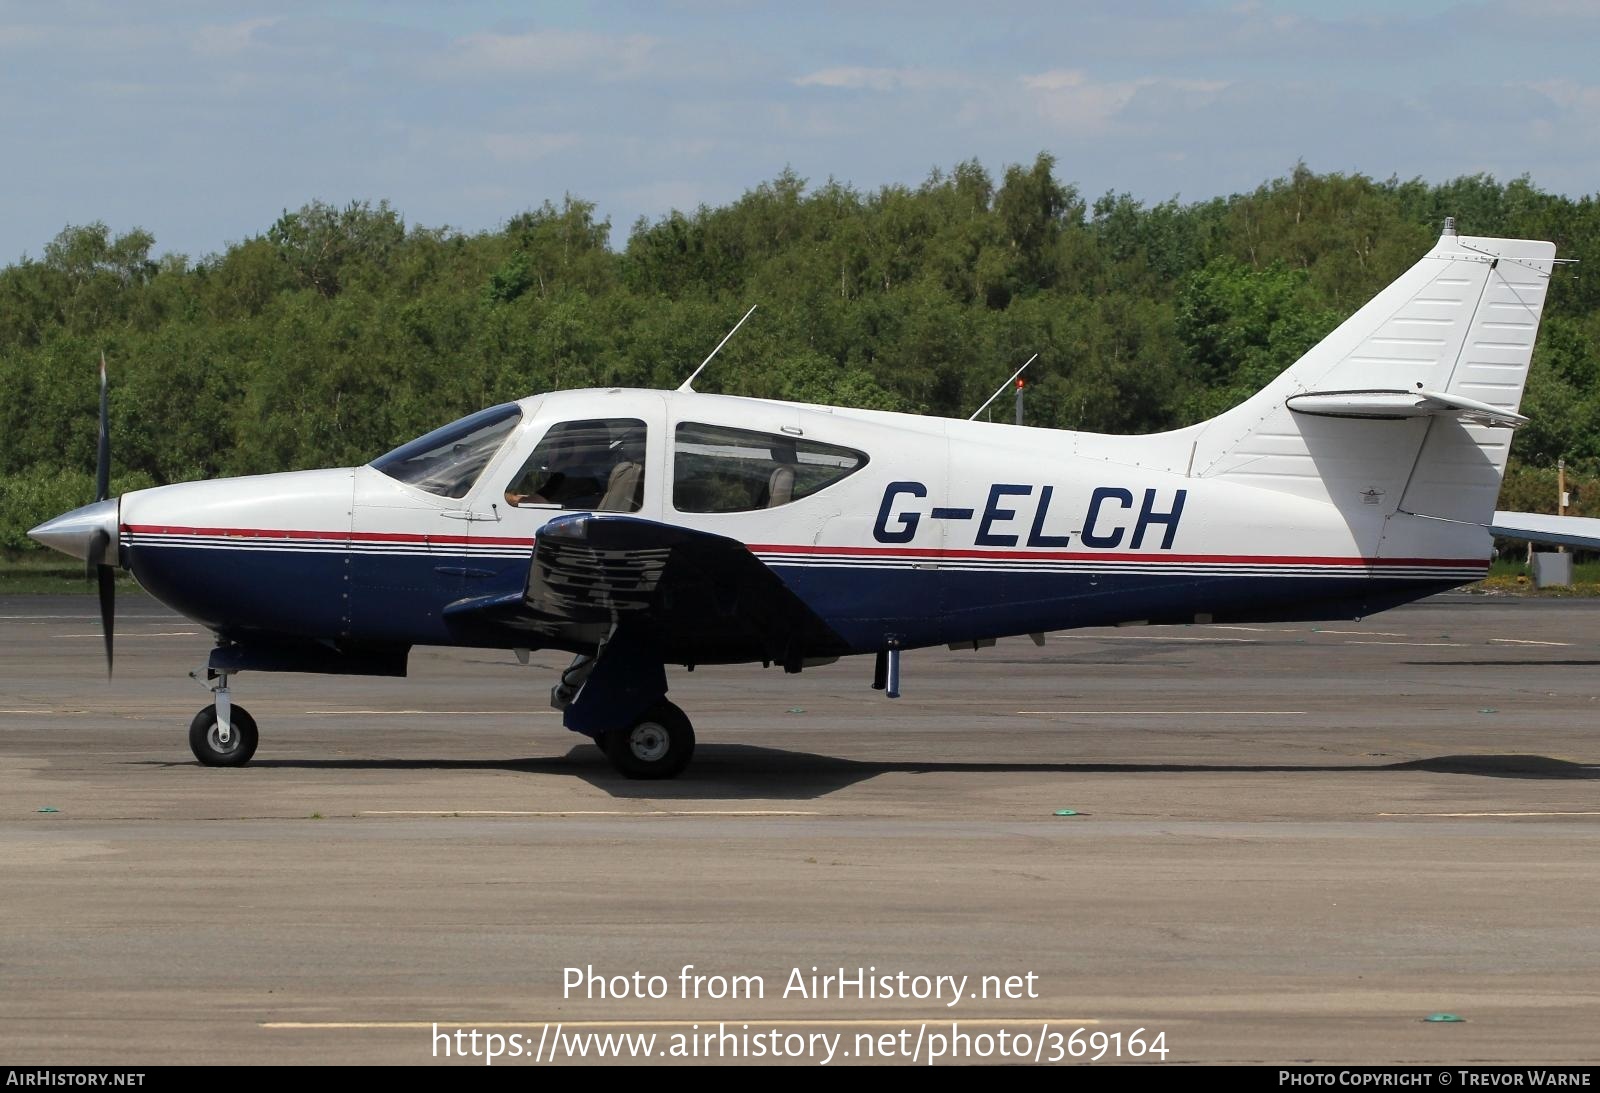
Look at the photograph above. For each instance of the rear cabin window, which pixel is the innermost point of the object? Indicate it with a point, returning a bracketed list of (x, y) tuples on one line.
[(596, 465), (718, 469)]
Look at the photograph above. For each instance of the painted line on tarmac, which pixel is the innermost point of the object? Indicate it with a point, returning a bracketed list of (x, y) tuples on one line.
[(1487, 814), (1360, 633), (404, 713), (1158, 637), (583, 812), (656, 1023), (44, 617), (101, 711), (1161, 713), (81, 618), (141, 634), (1528, 641), (1416, 644)]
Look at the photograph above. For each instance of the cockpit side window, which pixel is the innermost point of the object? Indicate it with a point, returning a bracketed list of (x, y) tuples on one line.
[(448, 461), (596, 465), (718, 469)]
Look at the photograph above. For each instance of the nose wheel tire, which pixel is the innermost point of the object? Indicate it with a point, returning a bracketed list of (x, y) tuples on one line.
[(658, 745), (205, 739)]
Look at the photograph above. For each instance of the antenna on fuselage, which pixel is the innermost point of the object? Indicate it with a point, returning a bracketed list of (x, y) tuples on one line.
[(1001, 389), (685, 386)]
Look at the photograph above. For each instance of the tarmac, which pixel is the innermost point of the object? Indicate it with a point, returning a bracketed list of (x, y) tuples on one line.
[(1288, 844)]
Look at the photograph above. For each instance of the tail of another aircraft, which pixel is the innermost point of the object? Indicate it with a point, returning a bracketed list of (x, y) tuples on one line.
[(1408, 406)]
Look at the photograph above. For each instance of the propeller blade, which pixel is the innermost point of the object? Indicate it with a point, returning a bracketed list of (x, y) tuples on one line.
[(107, 576), (95, 554), (102, 468), (100, 546)]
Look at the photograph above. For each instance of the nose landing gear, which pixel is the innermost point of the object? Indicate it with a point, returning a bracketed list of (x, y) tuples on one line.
[(222, 734)]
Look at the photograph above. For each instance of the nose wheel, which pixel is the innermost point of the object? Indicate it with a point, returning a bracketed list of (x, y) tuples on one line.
[(214, 748), (222, 734), (658, 745)]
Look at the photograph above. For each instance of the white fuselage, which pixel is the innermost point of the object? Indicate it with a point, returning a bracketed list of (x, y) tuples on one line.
[(948, 531)]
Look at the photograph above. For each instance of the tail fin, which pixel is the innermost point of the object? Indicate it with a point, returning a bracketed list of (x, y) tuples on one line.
[(1406, 406)]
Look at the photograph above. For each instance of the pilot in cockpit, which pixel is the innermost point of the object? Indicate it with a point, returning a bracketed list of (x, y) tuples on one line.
[(579, 466), (548, 477)]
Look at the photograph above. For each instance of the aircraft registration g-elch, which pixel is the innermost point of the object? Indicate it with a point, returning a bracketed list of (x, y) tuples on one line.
[(636, 529)]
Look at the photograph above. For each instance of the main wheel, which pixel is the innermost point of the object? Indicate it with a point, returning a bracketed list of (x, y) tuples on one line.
[(206, 743), (659, 745)]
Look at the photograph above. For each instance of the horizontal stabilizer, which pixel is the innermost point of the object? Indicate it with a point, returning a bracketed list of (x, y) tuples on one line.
[(1402, 404), (1573, 531)]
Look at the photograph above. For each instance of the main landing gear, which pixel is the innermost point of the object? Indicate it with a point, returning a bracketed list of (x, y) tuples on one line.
[(618, 697), (659, 745), (222, 734)]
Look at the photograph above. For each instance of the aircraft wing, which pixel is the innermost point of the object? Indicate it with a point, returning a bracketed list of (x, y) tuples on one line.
[(1573, 531), (701, 598)]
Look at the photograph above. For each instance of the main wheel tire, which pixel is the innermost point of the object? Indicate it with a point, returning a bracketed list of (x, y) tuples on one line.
[(658, 745), (241, 745)]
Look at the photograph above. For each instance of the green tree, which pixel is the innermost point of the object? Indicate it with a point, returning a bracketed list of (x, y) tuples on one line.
[(323, 246), (1240, 327), (341, 331)]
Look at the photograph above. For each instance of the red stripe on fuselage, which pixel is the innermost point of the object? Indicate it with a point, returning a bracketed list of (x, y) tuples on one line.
[(854, 551), (345, 536)]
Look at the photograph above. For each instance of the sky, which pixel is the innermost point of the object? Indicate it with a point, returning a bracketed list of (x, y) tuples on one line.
[(202, 122)]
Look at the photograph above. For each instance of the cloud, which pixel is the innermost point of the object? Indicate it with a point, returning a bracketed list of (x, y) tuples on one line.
[(460, 117), (15, 34), (552, 53), (1479, 105), (1072, 100), (884, 79), (527, 147), (683, 195), (1552, 9), (1068, 100), (228, 39), (1581, 99)]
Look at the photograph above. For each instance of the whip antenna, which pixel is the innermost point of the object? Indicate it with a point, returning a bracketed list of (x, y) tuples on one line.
[(1001, 389), (686, 383)]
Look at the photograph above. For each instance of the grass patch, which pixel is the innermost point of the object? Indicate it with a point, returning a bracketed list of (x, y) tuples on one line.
[(52, 575), (1515, 577)]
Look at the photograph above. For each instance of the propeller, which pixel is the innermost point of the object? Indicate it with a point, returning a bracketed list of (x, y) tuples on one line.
[(101, 546)]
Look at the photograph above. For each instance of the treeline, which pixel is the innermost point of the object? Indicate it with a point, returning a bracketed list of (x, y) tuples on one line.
[(340, 332)]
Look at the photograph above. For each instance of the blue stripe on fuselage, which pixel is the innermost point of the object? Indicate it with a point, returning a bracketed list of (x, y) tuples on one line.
[(867, 605), (398, 598)]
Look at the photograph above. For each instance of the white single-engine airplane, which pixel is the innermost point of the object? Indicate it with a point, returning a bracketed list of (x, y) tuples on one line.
[(638, 528)]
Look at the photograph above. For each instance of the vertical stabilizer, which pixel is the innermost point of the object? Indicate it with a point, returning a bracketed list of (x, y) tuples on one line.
[(1447, 346)]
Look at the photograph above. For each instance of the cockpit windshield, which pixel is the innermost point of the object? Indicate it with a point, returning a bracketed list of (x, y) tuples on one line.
[(448, 461)]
